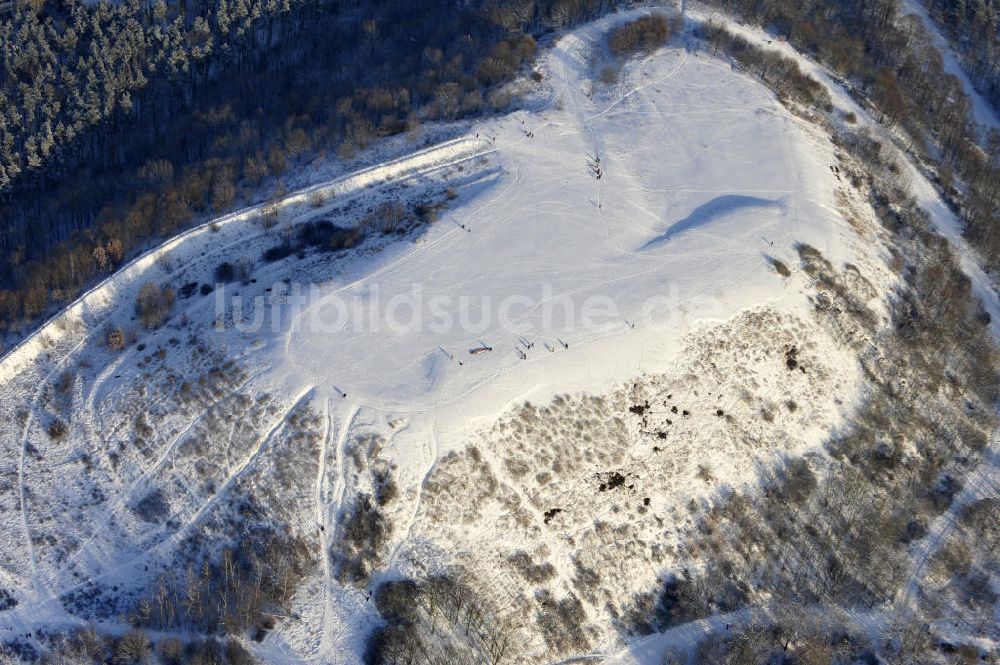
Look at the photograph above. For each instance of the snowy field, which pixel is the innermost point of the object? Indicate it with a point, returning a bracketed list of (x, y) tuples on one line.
[(611, 254)]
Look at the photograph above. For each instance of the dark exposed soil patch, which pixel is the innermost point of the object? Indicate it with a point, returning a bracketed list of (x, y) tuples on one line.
[(614, 480)]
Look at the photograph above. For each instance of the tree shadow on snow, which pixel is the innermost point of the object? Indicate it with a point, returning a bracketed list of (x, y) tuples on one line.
[(710, 211)]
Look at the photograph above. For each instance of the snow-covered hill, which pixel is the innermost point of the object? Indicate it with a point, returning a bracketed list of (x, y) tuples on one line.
[(597, 321)]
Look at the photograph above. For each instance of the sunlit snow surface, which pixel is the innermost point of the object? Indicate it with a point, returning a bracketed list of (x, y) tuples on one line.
[(703, 174)]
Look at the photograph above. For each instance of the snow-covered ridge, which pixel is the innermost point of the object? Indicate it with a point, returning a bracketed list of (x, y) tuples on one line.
[(668, 194)]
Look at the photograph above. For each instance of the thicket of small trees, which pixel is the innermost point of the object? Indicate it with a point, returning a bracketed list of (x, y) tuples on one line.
[(152, 306), (240, 590), (643, 34), (783, 75), (443, 619), (364, 535), (87, 647)]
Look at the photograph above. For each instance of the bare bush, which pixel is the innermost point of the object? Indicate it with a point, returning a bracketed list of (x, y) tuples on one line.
[(317, 198), (153, 507), (65, 382), (244, 268), (133, 648), (609, 74), (642, 34), (236, 654), (225, 272), (269, 214), (365, 534), (116, 339), (171, 650), (386, 488), (255, 169), (780, 268), (153, 304), (223, 191), (535, 573), (388, 217), (561, 622), (57, 429)]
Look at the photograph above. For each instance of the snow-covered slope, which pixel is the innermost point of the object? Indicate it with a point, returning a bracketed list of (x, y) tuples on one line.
[(913, 178), (615, 247)]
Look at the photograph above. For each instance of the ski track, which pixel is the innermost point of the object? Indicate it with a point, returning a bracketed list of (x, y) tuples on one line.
[(29, 418), (640, 88), (29, 546), (418, 250), (982, 111), (979, 483), (86, 308), (340, 489), (235, 474), (319, 501), (249, 462), (409, 166), (432, 455), (130, 492)]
